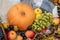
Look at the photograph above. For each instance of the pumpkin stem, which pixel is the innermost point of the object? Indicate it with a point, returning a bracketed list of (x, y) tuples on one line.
[(22, 13)]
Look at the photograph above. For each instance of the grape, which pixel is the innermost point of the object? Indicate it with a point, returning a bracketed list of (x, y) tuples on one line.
[(45, 16), (29, 28), (45, 20), (41, 25), (42, 21), (37, 22), (48, 14), (34, 26), (39, 29)]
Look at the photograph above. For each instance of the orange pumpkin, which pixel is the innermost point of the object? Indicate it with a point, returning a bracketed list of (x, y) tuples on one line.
[(21, 15)]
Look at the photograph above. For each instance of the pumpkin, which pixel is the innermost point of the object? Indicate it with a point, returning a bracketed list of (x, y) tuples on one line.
[(21, 15)]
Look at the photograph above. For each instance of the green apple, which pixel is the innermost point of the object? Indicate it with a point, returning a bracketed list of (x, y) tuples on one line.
[(5, 25), (15, 28)]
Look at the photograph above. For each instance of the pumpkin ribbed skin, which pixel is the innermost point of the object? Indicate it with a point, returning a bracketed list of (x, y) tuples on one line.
[(21, 15)]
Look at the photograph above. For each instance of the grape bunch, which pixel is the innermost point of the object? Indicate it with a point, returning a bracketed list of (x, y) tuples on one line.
[(42, 21)]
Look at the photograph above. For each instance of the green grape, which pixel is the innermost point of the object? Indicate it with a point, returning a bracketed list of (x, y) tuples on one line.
[(48, 23), (43, 15), (35, 23), (34, 26), (41, 24), (45, 20), (37, 26), (44, 23), (50, 14), (47, 14), (50, 17), (36, 20), (40, 21), (47, 17), (39, 29)]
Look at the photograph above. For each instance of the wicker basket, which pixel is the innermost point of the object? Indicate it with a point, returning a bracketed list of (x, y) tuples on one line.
[(1, 26)]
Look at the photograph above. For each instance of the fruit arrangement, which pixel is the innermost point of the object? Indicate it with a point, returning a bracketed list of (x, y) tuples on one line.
[(26, 23), (13, 32)]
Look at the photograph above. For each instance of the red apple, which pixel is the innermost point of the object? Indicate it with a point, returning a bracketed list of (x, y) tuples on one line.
[(29, 34), (11, 35), (29, 39), (43, 29)]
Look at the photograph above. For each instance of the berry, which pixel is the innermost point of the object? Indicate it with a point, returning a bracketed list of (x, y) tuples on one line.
[(7, 30), (22, 33), (19, 33), (30, 28), (24, 38), (11, 27), (3, 38)]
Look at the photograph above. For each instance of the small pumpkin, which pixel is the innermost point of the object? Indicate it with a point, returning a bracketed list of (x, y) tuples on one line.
[(21, 15)]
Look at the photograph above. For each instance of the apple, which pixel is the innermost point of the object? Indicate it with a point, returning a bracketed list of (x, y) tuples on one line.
[(15, 28), (29, 34), (29, 39), (5, 25), (43, 30), (11, 35), (56, 21), (38, 12), (19, 37)]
